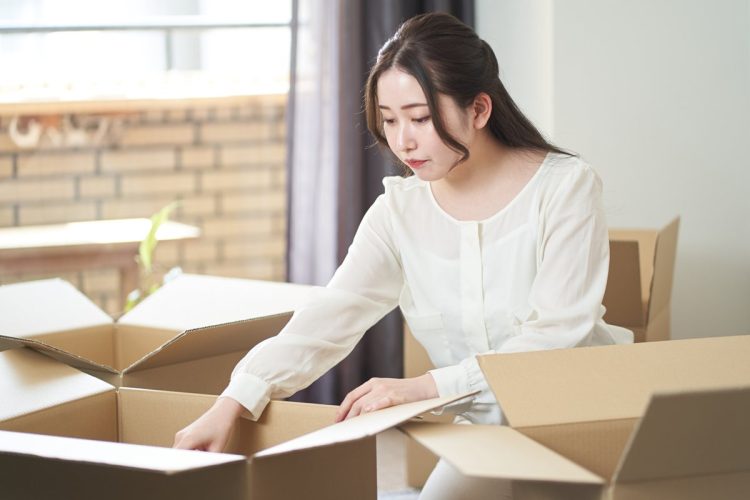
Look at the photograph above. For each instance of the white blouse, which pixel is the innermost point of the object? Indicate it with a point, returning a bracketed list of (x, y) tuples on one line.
[(530, 277)]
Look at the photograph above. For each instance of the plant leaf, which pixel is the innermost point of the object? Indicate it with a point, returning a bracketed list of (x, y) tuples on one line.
[(148, 245)]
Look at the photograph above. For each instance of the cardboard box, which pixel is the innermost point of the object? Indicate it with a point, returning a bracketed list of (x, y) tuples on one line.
[(419, 460), (666, 420), (641, 273), (637, 297), (187, 336), (292, 451)]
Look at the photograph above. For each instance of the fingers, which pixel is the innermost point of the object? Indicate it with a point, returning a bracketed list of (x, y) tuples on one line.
[(375, 394), (186, 444), (212, 430), (370, 402), (351, 399), (381, 403), (184, 440), (215, 446), (178, 439)]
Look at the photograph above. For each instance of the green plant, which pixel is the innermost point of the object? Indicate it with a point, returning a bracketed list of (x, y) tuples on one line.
[(148, 279)]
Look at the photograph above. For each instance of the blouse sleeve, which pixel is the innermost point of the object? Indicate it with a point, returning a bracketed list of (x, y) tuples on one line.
[(364, 288), (565, 300)]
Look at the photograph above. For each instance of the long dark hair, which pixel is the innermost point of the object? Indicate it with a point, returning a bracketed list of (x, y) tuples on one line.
[(446, 56)]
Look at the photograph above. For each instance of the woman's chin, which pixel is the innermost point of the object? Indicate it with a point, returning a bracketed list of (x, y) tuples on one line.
[(425, 174)]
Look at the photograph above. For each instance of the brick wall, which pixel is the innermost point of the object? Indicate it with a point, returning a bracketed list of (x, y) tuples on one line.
[(226, 165)]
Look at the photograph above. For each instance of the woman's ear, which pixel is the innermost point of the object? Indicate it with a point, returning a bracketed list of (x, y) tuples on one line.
[(481, 110)]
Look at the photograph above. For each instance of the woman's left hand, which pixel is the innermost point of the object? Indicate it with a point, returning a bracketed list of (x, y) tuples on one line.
[(378, 393)]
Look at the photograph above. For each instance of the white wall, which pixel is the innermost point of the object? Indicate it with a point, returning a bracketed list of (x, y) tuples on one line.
[(520, 33), (656, 95)]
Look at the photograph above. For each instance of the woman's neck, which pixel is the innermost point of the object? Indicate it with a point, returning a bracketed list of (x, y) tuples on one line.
[(493, 175), (488, 158)]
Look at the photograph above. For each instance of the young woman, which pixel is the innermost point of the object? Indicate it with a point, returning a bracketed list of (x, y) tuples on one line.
[(494, 241)]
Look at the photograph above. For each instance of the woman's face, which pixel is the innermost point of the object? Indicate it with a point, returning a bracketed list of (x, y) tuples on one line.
[(408, 127)]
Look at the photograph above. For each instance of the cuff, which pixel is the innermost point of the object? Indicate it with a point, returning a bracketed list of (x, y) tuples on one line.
[(249, 391), (450, 380)]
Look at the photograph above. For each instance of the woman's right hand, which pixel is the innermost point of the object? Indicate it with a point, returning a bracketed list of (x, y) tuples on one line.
[(211, 431)]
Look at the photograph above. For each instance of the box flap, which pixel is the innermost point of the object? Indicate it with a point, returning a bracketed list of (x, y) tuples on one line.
[(212, 341), (622, 297), (664, 261), (368, 424), (30, 381), (131, 456), (497, 451), (646, 239), (610, 382), (70, 359), (193, 301), (46, 306), (690, 434)]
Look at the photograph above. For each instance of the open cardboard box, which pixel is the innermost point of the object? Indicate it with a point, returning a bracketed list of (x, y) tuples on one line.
[(641, 272), (52, 412), (666, 420), (187, 336), (637, 297)]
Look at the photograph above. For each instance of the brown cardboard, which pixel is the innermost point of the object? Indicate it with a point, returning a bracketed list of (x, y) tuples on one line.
[(420, 461), (292, 451), (650, 420), (34, 466), (641, 273), (537, 462), (637, 297), (193, 322), (690, 447), (41, 395)]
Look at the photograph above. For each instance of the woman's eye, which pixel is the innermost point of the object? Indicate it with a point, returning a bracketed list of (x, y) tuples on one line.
[(389, 121), (423, 119)]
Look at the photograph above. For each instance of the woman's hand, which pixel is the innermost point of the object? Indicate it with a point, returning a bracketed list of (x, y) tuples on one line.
[(378, 393), (211, 431)]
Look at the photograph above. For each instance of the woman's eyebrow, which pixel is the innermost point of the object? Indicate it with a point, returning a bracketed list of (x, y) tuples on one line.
[(405, 106)]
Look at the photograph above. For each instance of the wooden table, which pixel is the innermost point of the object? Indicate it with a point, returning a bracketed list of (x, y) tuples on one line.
[(80, 246)]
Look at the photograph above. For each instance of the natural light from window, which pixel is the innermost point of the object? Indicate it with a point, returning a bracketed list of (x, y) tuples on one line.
[(142, 60)]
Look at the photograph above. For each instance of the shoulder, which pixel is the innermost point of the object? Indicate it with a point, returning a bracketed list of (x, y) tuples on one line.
[(393, 200), (401, 192), (569, 175)]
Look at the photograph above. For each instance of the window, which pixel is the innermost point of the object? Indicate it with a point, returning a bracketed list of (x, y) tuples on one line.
[(89, 49)]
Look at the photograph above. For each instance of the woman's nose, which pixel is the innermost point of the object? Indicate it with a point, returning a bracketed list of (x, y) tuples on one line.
[(406, 140)]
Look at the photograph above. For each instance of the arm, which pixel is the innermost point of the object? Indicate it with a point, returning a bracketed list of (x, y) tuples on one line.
[(364, 288)]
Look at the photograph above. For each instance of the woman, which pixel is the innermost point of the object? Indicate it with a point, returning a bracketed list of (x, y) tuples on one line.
[(494, 241)]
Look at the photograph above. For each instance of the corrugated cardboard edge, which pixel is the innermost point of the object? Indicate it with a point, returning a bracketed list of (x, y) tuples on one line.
[(105, 453), (365, 425), (664, 261), (66, 357), (157, 352)]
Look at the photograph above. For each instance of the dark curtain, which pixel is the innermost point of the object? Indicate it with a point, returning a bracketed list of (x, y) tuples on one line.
[(364, 27)]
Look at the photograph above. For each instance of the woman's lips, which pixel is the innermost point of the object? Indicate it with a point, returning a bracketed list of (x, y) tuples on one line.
[(416, 163)]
